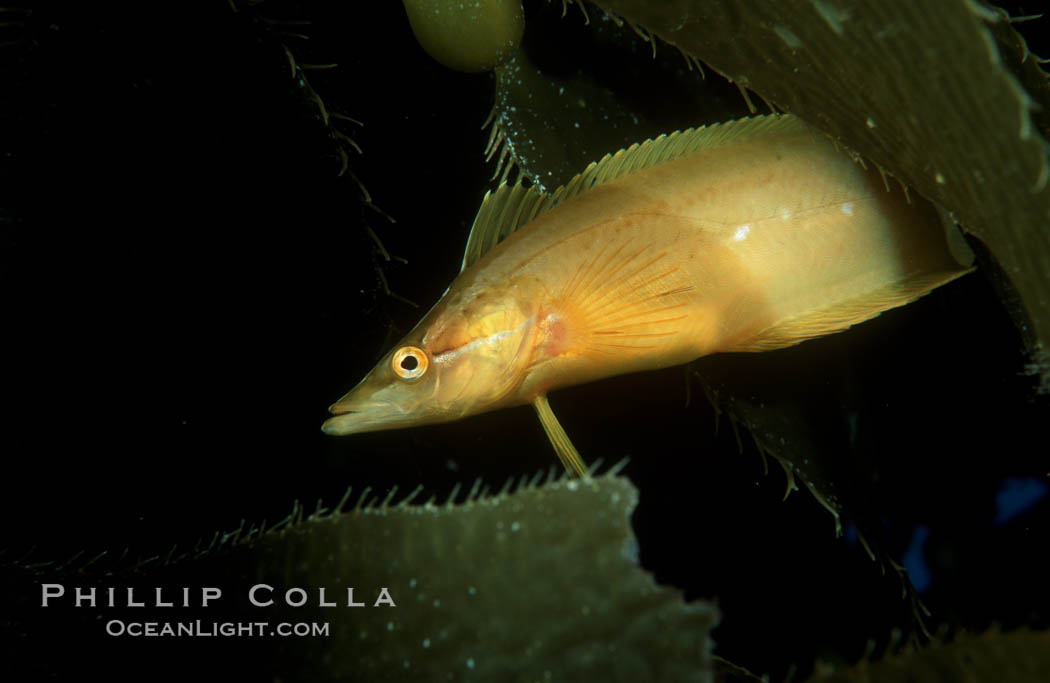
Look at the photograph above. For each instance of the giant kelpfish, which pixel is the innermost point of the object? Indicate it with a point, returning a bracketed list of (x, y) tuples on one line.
[(750, 235)]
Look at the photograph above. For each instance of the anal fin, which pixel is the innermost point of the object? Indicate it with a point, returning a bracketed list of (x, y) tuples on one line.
[(844, 314), (567, 453)]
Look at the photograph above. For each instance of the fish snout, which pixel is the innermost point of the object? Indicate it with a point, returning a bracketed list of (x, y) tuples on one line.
[(356, 413), (340, 407), (342, 420), (335, 426)]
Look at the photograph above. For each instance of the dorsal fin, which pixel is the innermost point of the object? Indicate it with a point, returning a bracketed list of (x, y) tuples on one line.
[(509, 207)]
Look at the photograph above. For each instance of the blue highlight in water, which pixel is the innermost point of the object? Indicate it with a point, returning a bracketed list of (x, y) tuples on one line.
[(914, 559), (1016, 495)]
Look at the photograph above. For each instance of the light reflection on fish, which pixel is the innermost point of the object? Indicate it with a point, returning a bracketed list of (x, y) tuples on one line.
[(751, 235)]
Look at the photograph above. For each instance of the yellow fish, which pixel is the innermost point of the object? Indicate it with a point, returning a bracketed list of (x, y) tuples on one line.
[(751, 235)]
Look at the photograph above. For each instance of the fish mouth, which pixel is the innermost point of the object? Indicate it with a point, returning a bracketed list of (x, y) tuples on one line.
[(349, 416), (340, 408), (342, 423), (362, 417)]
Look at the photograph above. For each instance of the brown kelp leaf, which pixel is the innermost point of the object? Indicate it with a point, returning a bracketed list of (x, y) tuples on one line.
[(1020, 656), (543, 581), (551, 127), (925, 90), (578, 90), (801, 407)]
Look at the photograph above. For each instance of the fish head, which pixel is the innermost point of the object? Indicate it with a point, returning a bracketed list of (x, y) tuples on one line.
[(469, 355)]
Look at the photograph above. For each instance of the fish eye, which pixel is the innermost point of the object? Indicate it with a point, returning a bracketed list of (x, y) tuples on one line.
[(409, 362)]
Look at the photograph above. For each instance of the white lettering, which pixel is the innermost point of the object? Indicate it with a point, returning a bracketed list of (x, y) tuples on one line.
[(209, 594), (291, 601), (48, 591), (384, 600), (259, 586), (132, 603), (89, 597)]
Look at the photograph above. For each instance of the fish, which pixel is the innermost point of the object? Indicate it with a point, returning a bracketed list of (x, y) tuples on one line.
[(745, 236)]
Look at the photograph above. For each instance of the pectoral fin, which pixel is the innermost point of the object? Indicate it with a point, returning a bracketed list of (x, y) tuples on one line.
[(567, 453)]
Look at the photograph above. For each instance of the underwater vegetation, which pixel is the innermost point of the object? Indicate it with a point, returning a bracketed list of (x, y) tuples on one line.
[(794, 58), (190, 282), (599, 617)]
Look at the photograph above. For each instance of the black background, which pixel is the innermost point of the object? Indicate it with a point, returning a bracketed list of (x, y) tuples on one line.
[(187, 284)]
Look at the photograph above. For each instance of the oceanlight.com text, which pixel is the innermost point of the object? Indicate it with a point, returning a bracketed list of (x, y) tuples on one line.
[(217, 629)]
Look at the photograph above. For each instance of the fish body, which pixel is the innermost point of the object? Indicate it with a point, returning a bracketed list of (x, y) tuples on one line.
[(747, 236)]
